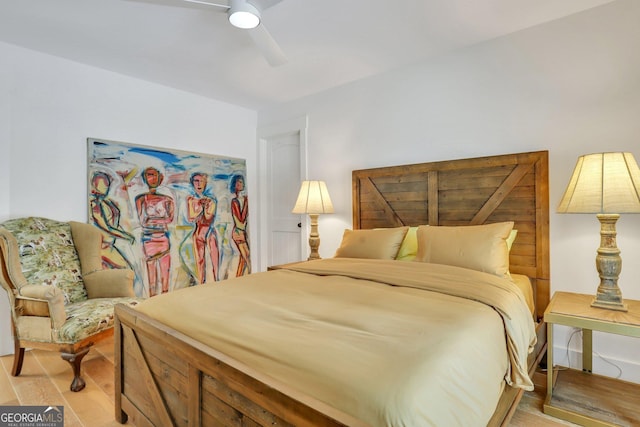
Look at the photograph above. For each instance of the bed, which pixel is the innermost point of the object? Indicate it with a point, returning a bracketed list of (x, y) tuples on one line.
[(175, 375)]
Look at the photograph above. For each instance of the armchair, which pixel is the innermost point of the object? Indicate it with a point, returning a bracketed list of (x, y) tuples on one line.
[(60, 297)]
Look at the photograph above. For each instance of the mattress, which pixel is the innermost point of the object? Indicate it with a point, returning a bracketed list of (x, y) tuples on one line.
[(391, 343)]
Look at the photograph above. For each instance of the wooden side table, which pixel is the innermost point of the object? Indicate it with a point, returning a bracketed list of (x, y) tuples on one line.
[(582, 397)]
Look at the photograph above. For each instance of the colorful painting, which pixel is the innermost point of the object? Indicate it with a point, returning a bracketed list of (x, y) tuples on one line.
[(175, 218)]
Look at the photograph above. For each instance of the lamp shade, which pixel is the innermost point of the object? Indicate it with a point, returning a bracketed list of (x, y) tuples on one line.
[(603, 183), (313, 199)]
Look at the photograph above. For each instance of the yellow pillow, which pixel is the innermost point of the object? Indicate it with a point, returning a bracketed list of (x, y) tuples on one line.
[(88, 242), (409, 247), (477, 247), (114, 283), (380, 243), (511, 238)]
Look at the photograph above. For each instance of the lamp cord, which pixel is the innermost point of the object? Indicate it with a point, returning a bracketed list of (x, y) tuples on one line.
[(579, 331)]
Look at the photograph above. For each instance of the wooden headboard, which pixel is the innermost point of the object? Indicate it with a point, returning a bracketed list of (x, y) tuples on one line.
[(512, 187)]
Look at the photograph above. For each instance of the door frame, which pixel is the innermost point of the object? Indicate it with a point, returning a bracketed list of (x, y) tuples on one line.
[(265, 133)]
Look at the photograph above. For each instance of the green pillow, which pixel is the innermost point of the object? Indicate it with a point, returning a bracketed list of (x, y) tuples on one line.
[(409, 246)]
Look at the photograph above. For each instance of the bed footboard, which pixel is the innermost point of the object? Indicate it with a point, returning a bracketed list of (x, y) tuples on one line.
[(164, 378)]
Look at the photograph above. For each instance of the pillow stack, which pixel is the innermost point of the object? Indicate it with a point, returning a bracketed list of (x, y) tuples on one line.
[(477, 247)]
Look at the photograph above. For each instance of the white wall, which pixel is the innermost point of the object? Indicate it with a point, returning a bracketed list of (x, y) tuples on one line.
[(54, 105), (570, 87), (5, 161)]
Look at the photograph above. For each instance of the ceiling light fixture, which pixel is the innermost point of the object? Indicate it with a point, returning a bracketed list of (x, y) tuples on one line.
[(243, 14)]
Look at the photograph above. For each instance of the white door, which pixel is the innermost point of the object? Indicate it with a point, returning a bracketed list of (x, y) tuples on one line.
[(282, 151), (284, 182)]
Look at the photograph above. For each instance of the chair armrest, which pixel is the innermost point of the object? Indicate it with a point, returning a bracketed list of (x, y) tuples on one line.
[(41, 292), (42, 301), (109, 283)]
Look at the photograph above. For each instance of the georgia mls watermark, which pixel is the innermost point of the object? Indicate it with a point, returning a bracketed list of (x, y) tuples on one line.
[(31, 416)]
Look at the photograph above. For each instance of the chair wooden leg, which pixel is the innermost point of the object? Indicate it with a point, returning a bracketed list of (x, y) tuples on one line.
[(75, 359), (18, 358)]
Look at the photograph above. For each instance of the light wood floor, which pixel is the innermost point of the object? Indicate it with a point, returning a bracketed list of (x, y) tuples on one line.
[(45, 380)]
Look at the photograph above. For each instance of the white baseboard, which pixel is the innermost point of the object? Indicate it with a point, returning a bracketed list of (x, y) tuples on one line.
[(627, 370)]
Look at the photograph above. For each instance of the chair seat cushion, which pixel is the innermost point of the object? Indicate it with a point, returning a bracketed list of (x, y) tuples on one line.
[(86, 318)]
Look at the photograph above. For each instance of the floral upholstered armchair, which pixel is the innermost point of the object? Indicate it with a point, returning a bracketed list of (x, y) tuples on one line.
[(60, 297)]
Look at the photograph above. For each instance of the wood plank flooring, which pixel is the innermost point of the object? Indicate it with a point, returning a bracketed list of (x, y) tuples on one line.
[(45, 380)]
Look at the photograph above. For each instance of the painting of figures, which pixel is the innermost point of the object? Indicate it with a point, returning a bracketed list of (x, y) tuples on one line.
[(175, 218)]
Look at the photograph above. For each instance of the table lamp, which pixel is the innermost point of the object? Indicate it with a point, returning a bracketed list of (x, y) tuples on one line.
[(606, 184), (313, 199)]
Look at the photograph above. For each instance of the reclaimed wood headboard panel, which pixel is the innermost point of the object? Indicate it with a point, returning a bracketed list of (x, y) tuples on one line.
[(512, 187)]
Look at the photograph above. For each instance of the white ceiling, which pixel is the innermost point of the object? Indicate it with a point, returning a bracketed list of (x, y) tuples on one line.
[(327, 42)]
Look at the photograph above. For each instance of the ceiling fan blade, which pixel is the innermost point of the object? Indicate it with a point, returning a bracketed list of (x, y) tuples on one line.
[(209, 3), (190, 4), (267, 46), (264, 4)]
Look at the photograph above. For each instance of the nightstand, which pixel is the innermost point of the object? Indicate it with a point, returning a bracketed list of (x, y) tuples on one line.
[(580, 396)]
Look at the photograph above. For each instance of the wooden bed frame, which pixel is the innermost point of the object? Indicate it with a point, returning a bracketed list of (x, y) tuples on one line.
[(164, 378)]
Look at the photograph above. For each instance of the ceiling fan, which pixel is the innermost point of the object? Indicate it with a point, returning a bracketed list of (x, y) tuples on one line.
[(245, 14)]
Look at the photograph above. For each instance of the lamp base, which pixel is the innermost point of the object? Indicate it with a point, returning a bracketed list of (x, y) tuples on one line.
[(314, 238), (609, 265), (618, 306)]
